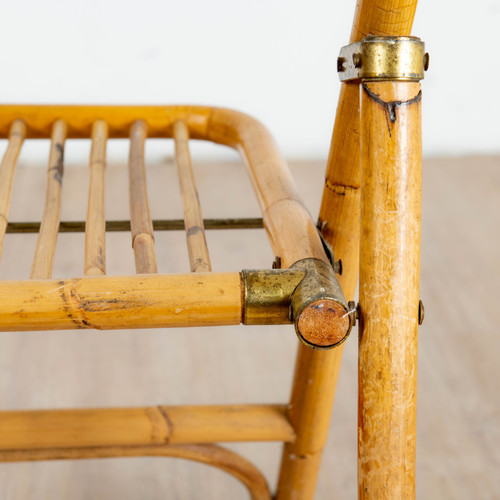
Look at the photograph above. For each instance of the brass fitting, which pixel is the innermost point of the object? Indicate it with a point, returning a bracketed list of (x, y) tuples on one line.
[(378, 58), (308, 294)]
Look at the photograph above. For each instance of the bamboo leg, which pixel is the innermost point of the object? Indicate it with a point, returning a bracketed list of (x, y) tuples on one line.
[(140, 218), (316, 372), (47, 238), (195, 232), (95, 229), (17, 134), (389, 288)]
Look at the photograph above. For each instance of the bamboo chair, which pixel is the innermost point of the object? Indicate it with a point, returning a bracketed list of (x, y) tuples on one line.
[(378, 156)]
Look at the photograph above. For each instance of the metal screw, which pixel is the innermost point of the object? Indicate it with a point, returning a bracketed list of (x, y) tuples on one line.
[(421, 312), (277, 262), (356, 59), (426, 61), (353, 311), (340, 64), (337, 267)]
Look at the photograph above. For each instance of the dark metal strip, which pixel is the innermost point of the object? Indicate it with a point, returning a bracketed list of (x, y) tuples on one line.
[(124, 225)]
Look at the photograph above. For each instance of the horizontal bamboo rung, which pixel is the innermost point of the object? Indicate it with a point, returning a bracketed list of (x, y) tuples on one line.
[(110, 302), (156, 425)]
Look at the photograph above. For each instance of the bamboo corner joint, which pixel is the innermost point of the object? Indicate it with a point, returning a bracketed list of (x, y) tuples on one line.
[(307, 294)]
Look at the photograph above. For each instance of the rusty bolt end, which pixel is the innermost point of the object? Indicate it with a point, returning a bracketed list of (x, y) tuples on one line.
[(426, 61), (340, 64), (421, 312), (323, 323), (356, 60)]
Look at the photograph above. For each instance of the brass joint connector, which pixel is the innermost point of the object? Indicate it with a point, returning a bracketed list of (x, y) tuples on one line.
[(378, 58), (308, 294)]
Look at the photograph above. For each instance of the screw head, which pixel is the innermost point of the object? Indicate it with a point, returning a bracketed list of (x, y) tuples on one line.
[(340, 64), (356, 59), (426, 61), (421, 312)]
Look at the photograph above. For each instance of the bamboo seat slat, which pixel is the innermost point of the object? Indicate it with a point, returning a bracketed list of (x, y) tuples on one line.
[(49, 228), (199, 257), (95, 230), (17, 134), (140, 217)]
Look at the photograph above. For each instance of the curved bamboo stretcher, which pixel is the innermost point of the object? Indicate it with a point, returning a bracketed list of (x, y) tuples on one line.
[(386, 457)]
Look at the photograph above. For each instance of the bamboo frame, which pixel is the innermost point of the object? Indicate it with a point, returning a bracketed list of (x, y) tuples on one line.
[(80, 303)]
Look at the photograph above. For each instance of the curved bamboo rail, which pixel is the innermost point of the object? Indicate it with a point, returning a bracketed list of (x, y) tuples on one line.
[(209, 454)]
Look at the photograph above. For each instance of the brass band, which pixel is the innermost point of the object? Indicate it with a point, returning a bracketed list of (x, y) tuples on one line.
[(378, 58)]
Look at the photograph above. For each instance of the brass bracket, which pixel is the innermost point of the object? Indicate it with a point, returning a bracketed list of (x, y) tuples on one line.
[(378, 58), (307, 294)]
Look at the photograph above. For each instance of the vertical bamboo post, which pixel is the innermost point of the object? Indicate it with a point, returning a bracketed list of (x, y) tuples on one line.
[(95, 228), (140, 217), (316, 372), (199, 258), (7, 167), (49, 228), (391, 159)]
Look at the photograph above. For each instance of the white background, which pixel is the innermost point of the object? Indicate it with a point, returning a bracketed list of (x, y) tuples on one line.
[(274, 59)]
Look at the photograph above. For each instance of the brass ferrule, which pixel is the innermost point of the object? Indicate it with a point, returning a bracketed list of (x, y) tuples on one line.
[(379, 58), (308, 294)]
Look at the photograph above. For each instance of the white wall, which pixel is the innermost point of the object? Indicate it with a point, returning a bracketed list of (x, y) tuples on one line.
[(274, 59)]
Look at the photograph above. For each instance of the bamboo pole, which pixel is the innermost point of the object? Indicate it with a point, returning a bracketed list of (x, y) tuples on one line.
[(156, 425), (339, 220), (95, 229), (17, 133), (49, 228), (339, 212), (140, 217), (209, 454), (108, 302), (391, 156), (199, 258)]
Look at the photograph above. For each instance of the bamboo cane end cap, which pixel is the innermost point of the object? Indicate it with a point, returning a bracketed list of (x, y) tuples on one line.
[(323, 323)]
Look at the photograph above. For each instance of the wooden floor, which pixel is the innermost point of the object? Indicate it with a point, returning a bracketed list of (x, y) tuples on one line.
[(459, 359)]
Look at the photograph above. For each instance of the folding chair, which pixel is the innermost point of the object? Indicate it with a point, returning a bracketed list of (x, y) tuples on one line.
[(369, 220)]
